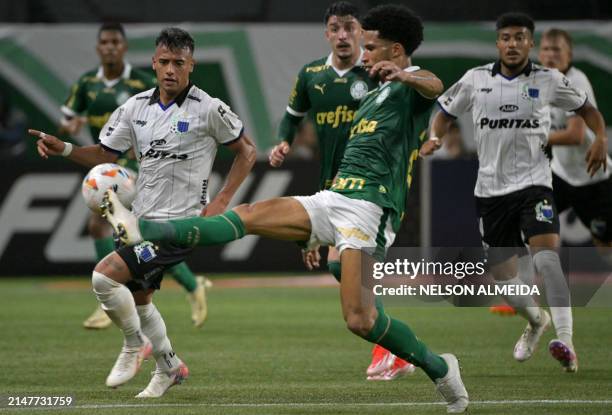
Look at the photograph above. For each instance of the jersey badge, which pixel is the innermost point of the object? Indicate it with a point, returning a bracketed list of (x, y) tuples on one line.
[(383, 95), (145, 252), (359, 89), (179, 126), (530, 94)]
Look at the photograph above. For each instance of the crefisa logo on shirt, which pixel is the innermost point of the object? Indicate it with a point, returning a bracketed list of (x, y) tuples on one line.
[(178, 125)]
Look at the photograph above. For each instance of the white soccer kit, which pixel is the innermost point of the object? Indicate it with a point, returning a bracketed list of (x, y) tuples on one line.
[(511, 122), (569, 162), (175, 146)]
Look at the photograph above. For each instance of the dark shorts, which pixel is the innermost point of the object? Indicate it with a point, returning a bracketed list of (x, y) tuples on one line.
[(509, 221), (148, 262), (592, 204)]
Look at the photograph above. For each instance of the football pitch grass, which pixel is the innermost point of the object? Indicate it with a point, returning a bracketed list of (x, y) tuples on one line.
[(285, 350)]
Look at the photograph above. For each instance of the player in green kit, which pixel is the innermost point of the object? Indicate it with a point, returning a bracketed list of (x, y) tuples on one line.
[(329, 90), (93, 99), (362, 210)]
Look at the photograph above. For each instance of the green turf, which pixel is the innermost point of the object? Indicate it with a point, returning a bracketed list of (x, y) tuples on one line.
[(286, 350)]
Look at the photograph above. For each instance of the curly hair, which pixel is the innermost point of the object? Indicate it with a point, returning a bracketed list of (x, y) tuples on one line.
[(515, 19), (395, 23), (175, 39)]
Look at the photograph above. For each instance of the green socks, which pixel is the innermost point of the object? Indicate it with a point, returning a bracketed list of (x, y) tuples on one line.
[(183, 275), (400, 340), (335, 269), (202, 231), (104, 247)]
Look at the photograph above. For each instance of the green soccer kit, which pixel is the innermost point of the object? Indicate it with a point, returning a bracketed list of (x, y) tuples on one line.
[(330, 97), (383, 145)]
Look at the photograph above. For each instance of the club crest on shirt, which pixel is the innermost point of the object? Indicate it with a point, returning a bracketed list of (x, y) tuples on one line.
[(530, 94), (145, 252), (122, 97), (544, 211), (359, 89), (383, 95), (179, 125)]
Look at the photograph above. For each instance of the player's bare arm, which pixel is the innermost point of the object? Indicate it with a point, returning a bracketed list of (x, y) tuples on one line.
[(596, 154), (246, 154), (425, 82), (89, 156), (572, 135), (439, 128)]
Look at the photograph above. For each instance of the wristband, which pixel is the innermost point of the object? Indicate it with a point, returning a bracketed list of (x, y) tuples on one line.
[(67, 149)]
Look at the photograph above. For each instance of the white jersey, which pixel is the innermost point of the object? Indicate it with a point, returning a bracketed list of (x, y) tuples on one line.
[(511, 119), (175, 146), (569, 161)]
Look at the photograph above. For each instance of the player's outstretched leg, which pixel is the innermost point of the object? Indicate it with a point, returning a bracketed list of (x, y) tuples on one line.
[(374, 325), (170, 370)]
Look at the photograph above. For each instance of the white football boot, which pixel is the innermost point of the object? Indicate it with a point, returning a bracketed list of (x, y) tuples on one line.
[(451, 386), (162, 381), (527, 343), (199, 303), (98, 320), (124, 223), (128, 363)]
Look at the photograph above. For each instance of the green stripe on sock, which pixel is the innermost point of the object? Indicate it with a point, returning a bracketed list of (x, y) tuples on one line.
[(335, 268)]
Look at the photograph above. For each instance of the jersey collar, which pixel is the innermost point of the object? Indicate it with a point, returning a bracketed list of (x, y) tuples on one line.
[(342, 72), (127, 70), (497, 70), (180, 98)]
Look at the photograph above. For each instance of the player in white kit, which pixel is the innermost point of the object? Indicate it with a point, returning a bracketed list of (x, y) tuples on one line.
[(174, 131), (510, 102)]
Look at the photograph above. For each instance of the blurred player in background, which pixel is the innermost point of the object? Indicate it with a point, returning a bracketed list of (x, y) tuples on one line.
[(188, 125), (92, 100), (510, 104), (362, 210), (330, 89)]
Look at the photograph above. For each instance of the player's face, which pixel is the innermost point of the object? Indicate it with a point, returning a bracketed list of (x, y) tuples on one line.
[(555, 53), (343, 34), (111, 47), (172, 68), (514, 44), (375, 49)]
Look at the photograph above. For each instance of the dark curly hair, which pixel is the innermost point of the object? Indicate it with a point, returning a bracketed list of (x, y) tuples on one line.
[(515, 19), (341, 8), (111, 27), (175, 39), (395, 23)]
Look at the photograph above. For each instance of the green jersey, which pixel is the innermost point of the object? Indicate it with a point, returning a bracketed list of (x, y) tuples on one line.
[(330, 97), (97, 97), (384, 143)]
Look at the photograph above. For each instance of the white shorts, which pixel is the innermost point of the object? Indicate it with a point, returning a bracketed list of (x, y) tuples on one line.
[(343, 222)]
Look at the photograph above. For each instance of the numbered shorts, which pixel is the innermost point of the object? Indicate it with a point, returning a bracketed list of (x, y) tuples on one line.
[(348, 223), (148, 261)]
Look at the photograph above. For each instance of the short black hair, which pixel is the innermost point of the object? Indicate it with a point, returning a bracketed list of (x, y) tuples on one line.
[(396, 23), (174, 38), (515, 19), (341, 8), (111, 27), (555, 33)]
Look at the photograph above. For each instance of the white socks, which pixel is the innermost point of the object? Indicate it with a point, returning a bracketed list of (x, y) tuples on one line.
[(117, 301), (154, 328), (548, 265), (524, 305)]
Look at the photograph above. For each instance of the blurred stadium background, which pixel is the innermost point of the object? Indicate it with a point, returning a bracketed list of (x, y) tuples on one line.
[(248, 53)]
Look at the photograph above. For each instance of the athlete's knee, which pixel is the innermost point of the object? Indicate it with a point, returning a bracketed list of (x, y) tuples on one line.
[(113, 267), (102, 284), (359, 322)]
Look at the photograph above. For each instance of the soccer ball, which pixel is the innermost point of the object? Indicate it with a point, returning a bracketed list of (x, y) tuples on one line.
[(108, 176)]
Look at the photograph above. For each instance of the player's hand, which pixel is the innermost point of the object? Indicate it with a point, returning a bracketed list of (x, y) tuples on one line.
[(387, 71), (596, 156), (311, 258), (278, 153), (47, 145), (429, 147)]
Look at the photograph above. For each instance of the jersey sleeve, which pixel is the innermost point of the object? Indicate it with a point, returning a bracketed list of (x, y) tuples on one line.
[(458, 98), (582, 82), (299, 103), (224, 125), (421, 113), (75, 104), (565, 95), (117, 133)]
